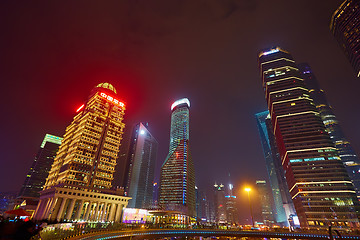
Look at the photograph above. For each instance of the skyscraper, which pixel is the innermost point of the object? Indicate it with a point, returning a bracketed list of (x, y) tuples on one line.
[(332, 126), (220, 203), (79, 182), (142, 158), (265, 202), (319, 184), (345, 26), (283, 206), (177, 179), (39, 171), (231, 209)]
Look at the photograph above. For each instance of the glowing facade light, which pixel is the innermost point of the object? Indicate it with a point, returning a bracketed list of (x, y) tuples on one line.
[(112, 99), (271, 51), (247, 189), (180, 101), (81, 107), (52, 139)]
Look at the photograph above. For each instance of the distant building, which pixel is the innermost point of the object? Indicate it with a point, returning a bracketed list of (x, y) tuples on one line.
[(313, 169), (283, 206), (332, 126), (177, 178), (345, 26), (28, 197), (79, 185), (39, 171), (205, 216), (6, 198), (220, 204), (265, 202), (142, 154), (232, 217)]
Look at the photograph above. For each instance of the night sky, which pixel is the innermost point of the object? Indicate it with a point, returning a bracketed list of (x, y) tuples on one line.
[(155, 52)]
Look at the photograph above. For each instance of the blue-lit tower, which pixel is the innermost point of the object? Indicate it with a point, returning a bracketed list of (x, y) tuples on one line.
[(177, 180), (142, 154), (283, 207)]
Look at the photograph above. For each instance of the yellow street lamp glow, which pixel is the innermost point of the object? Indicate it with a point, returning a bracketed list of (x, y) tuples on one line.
[(247, 189)]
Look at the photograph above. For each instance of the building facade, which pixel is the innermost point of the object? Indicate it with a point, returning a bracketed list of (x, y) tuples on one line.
[(345, 26), (79, 185), (177, 177), (231, 209), (332, 126), (266, 212), (318, 183), (142, 154), (283, 206), (220, 204), (39, 171)]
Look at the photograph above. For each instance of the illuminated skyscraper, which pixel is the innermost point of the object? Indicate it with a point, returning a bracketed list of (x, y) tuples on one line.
[(220, 204), (345, 26), (231, 209), (332, 126), (319, 184), (177, 180), (283, 206), (40, 168), (265, 202), (79, 183), (142, 154)]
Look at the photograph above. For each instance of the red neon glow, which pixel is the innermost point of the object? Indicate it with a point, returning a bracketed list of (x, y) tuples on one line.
[(81, 107), (111, 99)]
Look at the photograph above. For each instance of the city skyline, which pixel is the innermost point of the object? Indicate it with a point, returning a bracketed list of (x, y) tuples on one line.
[(217, 72)]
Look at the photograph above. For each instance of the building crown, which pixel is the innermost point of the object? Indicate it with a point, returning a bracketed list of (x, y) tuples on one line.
[(106, 86)]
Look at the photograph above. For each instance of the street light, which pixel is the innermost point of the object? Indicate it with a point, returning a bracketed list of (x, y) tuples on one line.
[(248, 190)]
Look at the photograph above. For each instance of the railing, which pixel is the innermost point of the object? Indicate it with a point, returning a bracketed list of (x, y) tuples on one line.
[(90, 231), (208, 233)]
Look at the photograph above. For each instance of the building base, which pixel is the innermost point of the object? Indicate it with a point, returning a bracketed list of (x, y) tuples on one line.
[(65, 204)]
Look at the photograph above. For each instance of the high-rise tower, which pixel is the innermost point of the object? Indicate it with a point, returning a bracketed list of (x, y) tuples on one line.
[(265, 202), (319, 184), (332, 126), (345, 26), (79, 182), (39, 171), (177, 180), (283, 206), (142, 159), (220, 203)]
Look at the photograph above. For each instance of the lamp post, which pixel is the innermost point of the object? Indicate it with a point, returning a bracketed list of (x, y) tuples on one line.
[(248, 190)]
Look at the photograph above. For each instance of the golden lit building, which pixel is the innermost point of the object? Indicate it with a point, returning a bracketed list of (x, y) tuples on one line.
[(79, 183)]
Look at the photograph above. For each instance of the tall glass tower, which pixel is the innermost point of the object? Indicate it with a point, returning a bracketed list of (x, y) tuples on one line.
[(79, 185), (332, 126), (36, 177), (142, 154), (283, 207), (318, 183), (177, 179)]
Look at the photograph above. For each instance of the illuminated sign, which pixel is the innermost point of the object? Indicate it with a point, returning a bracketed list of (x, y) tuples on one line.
[(135, 215), (181, 101), (112, 99)]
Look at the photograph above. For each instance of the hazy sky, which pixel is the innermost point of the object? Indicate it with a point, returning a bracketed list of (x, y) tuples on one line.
[(154, 52)]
